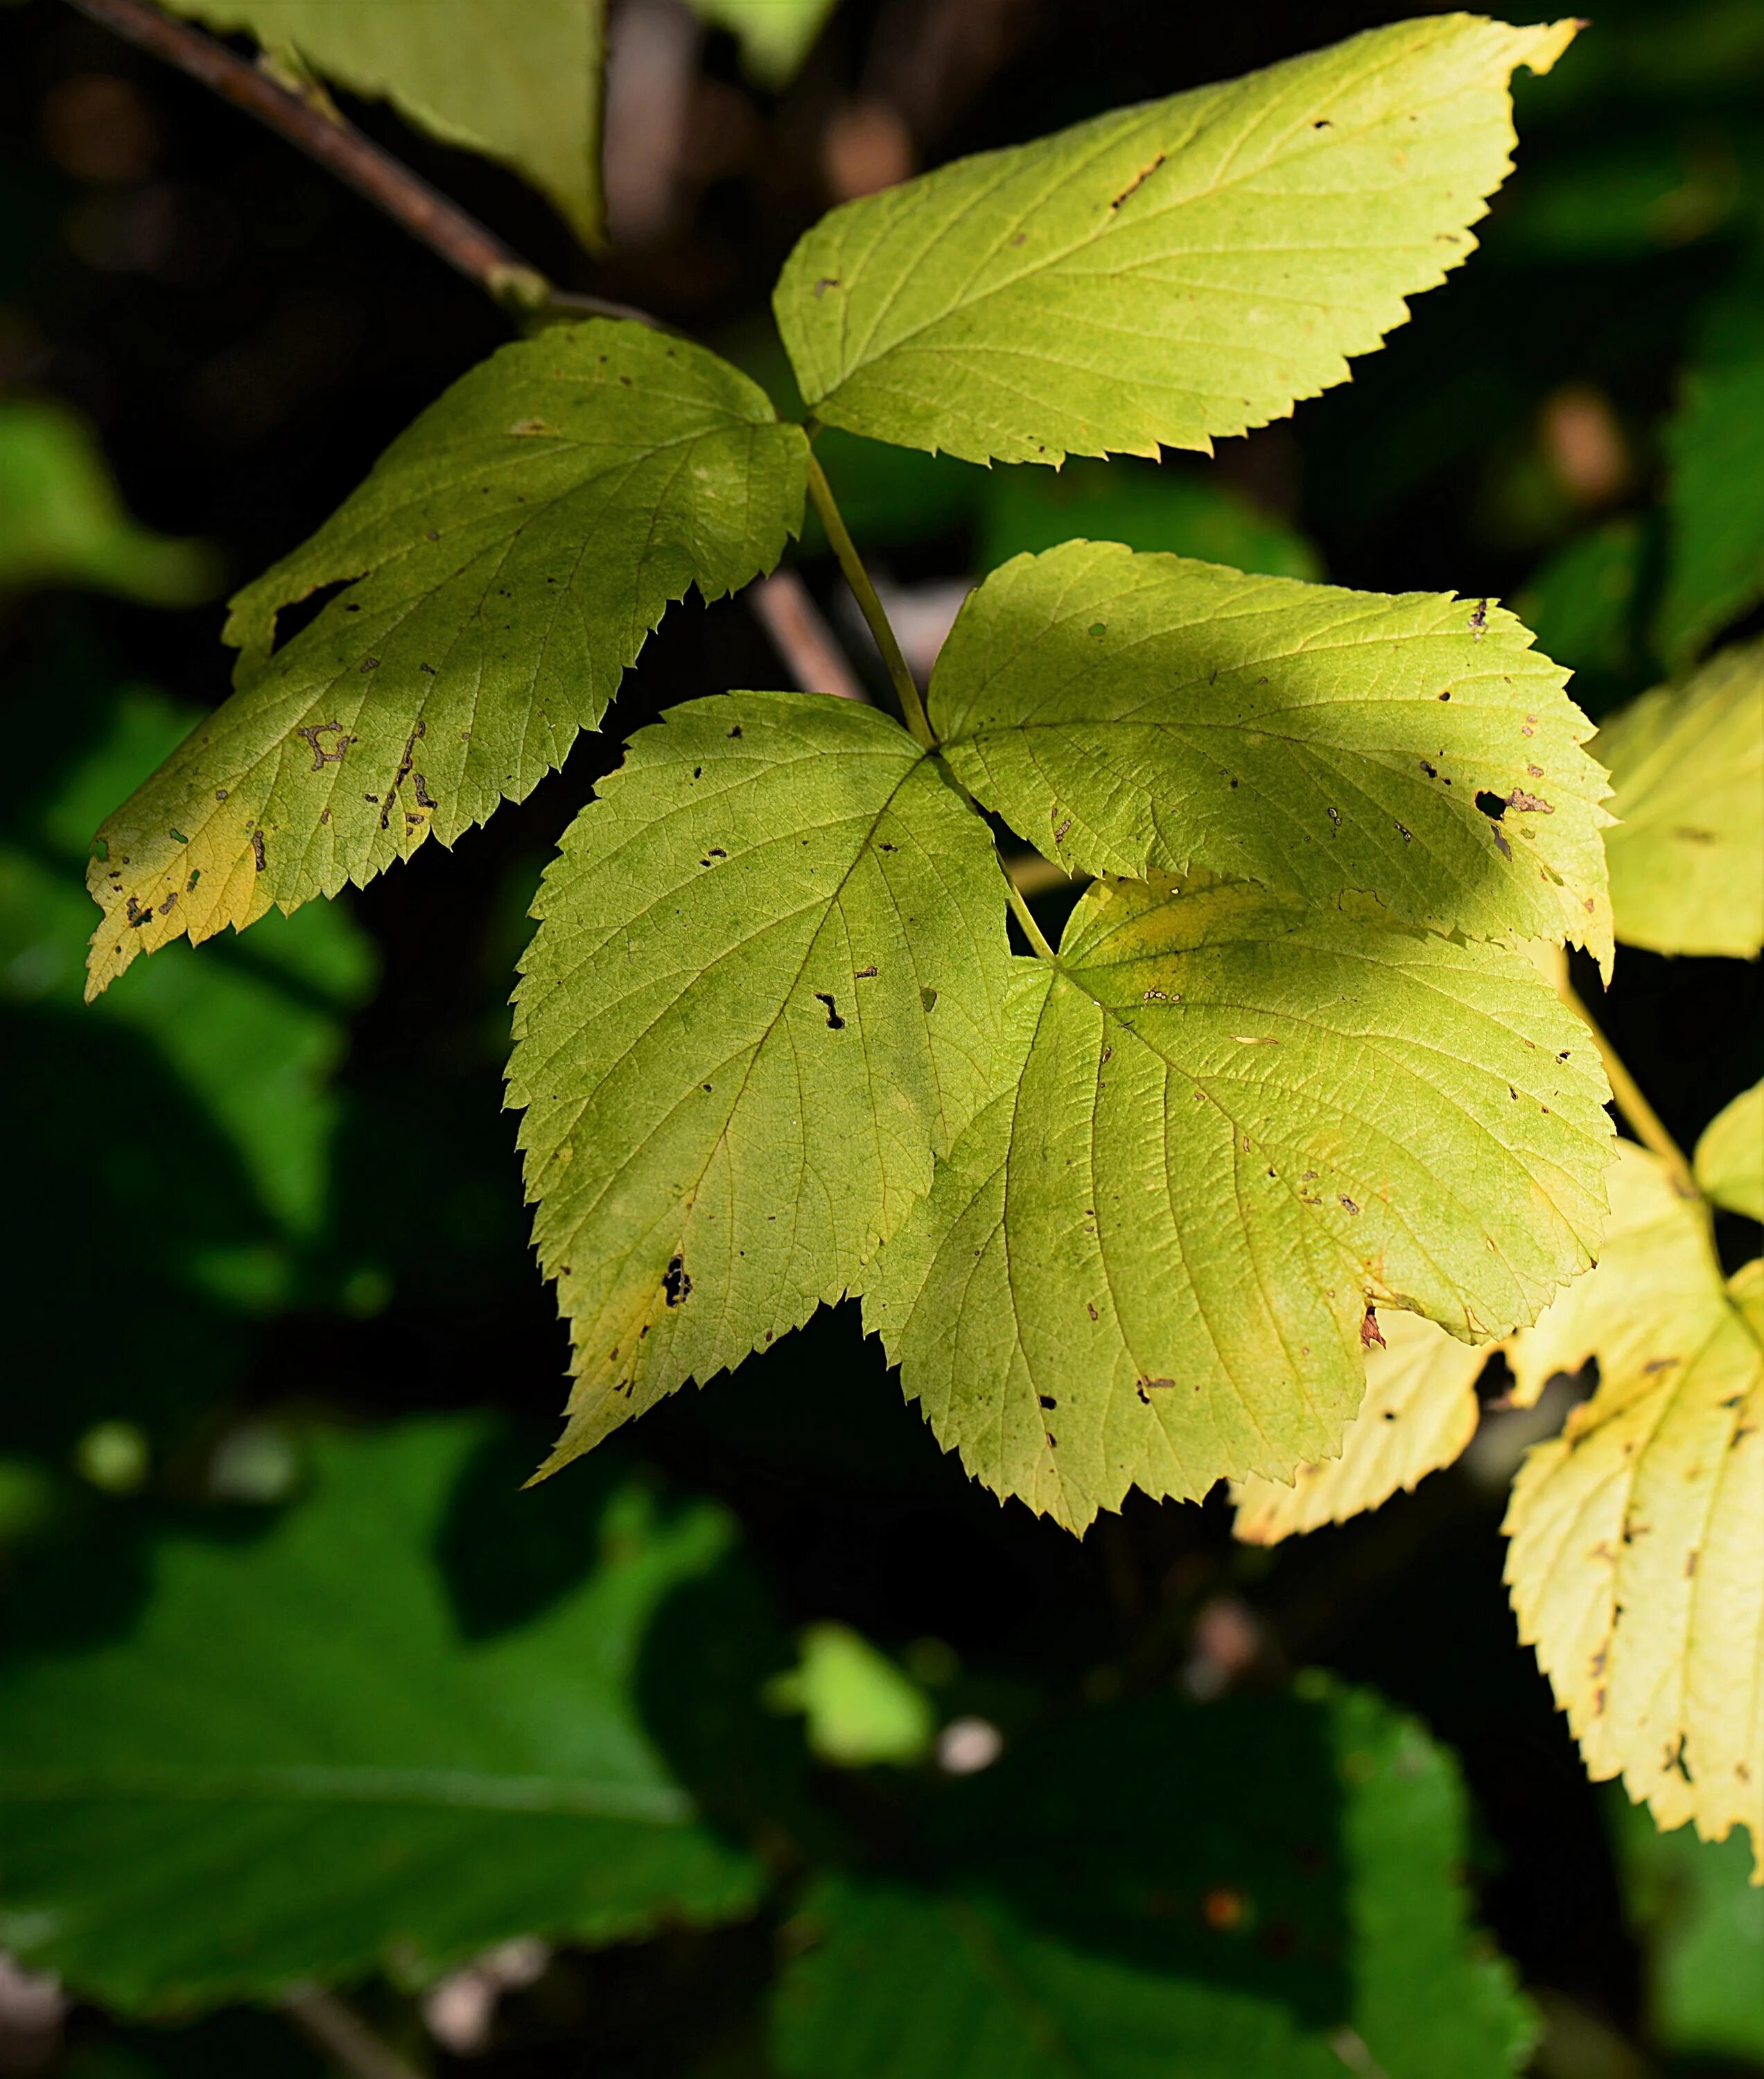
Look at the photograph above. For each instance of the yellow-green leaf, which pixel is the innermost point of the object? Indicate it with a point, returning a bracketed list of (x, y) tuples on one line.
[(1127, 712), (1165, 274), (1730, 1156), (1637, 1562), (1224, 1123), (764, 988), (1420, 1411), (508, 556), (1687, 855), (523, 87)]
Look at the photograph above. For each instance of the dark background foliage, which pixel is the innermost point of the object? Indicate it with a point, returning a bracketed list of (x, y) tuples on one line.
[(245, 335)]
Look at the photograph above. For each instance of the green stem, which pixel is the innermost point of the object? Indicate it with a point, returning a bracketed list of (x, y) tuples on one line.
[(820, 494), (1643, 1120), (1021, 909)]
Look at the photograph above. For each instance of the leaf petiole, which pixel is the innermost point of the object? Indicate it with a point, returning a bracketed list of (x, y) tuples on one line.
[(912, 708)]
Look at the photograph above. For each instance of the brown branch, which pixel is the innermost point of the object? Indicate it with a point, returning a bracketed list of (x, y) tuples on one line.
[(342, 149), (785, 608)]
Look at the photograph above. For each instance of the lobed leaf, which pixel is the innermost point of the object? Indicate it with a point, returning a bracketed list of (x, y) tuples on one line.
[(1636, 1559), (1688, 767), (532, 100), (1128, 713), (765, 989), (293, 1764), (1730, 1156), (1225, 1122), (1165, 274), (1081, 1909), (504, 563), (1419, 1411)]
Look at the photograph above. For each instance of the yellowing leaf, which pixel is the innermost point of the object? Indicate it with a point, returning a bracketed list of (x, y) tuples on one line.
[(1730, 1156), (764, 988), (1637, 1562), (1128, 711), (510, 554), (1222, 1124), (522, 87), (1420, 1411), (1163, 273), (1687, 856)]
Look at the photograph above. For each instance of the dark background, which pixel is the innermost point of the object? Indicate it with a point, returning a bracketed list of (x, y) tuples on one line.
[(246, 336)]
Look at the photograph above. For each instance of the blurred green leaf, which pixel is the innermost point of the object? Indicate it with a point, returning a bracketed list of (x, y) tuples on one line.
[(861, 1708), (61, 521), (295, 1766), (1702, 1920), (1262, 1885), (1144, 505), (775, 36), (1581, 605)]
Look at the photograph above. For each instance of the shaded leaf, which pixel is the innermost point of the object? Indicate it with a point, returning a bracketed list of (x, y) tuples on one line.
[(295, 1767), (764, 988), (1687, 768), (1715, 496), (1730, 1156), (509, 554), (1115, 286), (1420, 1411), (1223, 1124), (531, 99), (1127, 713), (61, 521), (1637, 1560), (1090, 1914)]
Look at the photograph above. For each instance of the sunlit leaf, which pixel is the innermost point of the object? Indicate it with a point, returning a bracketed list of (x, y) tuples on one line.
[(293, 1763), (1164, 274), (61, 522), (766, 988), (859, 1707), (1224, 1123), (1418, 1413), (1688, 768), (509, 554), (1637, 1562), (1730, 1156), (524, 88), (1126, 712), (1081, 1909)]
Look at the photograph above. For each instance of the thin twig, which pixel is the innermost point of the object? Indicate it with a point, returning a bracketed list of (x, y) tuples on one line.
[(344, 2037), (1643, 1121), (786, 609), (342, 149), (820, 494), (1021, 909)]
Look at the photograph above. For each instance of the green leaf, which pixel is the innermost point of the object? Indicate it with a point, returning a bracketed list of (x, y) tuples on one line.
[(1730, 1156), (1637, 1552), (1133, 713), (1225, 1122), (61, 521), (775, 36), (531, 99), (1687, 769), (1144, 505), (296, 1764), (860, 1708), (1702, 1930), (509, 554), (1715, 499), (1118, 285), (1092, 1914), (766, 988)]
